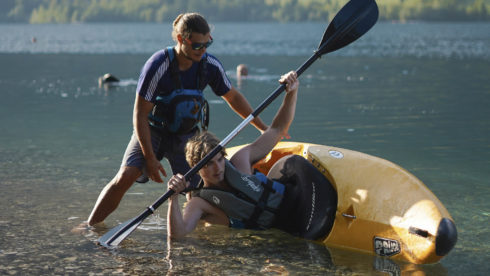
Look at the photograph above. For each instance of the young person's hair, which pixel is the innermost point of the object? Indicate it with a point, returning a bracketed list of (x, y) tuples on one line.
[(199, 146), (187, 23)]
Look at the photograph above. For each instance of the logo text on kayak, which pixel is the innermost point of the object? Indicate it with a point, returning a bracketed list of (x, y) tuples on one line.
[(386, 247)]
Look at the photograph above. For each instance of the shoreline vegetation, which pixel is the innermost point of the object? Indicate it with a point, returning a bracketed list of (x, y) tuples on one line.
[(81, 11)]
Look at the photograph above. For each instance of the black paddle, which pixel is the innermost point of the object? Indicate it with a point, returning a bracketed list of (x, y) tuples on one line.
[(350, 23)]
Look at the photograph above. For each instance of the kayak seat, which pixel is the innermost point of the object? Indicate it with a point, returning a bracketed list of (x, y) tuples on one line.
[(310, 201)]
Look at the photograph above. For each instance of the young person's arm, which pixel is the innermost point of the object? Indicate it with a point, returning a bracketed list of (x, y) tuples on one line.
[(181, 223), (248, 155)]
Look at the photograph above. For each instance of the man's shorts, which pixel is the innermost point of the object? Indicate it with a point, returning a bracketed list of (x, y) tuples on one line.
[(170, 146)]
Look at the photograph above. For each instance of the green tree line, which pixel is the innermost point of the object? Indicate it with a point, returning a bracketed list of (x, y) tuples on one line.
[(73, 11)]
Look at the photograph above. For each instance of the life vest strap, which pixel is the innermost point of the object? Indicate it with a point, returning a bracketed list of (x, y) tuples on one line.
[(261, 205)]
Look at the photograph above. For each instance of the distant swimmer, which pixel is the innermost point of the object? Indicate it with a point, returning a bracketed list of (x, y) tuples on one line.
[(34, 39), (107, 79), (241, 71)]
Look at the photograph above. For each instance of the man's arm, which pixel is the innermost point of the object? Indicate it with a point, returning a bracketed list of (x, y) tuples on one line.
[(241, 106), (141, 110)]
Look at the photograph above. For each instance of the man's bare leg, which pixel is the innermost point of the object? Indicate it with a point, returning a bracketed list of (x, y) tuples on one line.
[(112, 194)]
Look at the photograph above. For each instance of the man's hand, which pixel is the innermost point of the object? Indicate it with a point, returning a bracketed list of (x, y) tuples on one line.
[(154, 168)]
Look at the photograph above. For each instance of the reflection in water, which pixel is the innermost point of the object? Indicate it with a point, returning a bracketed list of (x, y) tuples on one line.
[(246, 252)]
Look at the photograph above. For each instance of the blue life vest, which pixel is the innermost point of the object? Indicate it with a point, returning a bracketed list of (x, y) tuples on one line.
[(181, 110)]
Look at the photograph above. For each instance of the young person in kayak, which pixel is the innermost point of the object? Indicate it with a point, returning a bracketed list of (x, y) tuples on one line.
[(168, 109), (217, 201)]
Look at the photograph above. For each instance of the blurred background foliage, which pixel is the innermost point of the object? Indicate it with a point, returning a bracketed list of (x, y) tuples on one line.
[(76, 11)]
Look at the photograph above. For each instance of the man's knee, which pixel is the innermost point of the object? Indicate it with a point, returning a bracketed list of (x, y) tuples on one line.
[(125, 177)]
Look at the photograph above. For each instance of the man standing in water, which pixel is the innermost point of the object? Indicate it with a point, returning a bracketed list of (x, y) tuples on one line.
[(168, 108)]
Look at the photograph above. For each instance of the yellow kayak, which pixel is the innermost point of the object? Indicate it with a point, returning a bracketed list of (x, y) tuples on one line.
[(381, 209)]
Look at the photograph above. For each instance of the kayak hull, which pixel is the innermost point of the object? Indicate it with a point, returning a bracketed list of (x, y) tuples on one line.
[(382, 209)]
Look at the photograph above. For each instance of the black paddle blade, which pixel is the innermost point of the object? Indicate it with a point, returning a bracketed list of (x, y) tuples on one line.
[(350, 23)]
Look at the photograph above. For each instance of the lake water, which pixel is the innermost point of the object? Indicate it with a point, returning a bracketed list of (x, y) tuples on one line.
[(416, 94)]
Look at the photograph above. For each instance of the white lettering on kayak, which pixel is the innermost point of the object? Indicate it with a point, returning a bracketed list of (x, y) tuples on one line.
[(386, 247), (312, 206)]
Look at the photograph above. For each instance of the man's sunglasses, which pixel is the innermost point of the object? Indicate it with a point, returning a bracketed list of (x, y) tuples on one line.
[(198, 46)]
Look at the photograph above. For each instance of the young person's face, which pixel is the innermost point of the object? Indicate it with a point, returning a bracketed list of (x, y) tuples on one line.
[(196, 45), (214, 171)]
